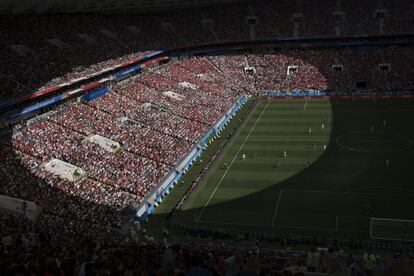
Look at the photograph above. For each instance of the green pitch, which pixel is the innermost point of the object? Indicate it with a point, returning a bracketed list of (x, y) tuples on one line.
[(347, 172)]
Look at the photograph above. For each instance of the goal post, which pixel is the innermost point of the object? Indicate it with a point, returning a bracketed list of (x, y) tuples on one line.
[(391, 229)]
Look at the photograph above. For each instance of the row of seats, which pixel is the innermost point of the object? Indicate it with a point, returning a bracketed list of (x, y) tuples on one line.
[(42, 51), (153, 117), (157, 116), (28, 248)]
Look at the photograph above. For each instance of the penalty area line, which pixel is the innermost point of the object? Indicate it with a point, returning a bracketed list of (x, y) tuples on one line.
[(233, 223), (231, 163), (276, 208)]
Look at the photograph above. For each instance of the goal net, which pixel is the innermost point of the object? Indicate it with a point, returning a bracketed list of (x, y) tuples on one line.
[(391, 229)]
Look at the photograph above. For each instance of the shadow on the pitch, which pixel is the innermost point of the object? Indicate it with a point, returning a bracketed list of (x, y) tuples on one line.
[(353, 163)]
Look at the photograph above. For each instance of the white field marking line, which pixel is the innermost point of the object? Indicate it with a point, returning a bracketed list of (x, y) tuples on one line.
[(370, 229), (390, 219), (233, 223), (336, 223), (319, 228), (338, 217), (395, 141), (395, 233), (302, 227), (276, 208), (283, 226), (389, 239), (380, 187), (289, 140), (345, 193), (353, 217), (369, 111), (232, 161), (410, 142), (312, 228)]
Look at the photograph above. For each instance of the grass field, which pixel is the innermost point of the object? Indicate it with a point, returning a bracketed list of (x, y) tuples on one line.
[(340, 194)]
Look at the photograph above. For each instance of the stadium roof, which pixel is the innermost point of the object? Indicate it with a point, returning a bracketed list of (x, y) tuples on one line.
[(58, 6)]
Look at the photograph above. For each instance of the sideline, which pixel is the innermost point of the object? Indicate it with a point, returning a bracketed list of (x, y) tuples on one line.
[(231, 163)]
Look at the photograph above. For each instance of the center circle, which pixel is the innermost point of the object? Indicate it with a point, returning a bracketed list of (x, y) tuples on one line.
[(374, 142)]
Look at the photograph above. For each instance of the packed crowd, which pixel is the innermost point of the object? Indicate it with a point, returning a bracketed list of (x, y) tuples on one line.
[(29, 248), (154, 129), (42, 51), (131, 173), (156, 119), (382, 69), (158, 115), (82, 209)]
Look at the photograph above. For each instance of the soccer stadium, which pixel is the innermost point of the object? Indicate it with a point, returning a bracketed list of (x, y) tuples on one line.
[(209, 137)]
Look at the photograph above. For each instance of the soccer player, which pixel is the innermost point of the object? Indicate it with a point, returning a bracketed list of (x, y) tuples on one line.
[(387, 163), (244, 156), (225, 165), (322, 126), (384, 122), (284, 153), (309, 162), (310, 131), (372, 129), (277, 164), (314, 146), (324, 147), (367, 209)]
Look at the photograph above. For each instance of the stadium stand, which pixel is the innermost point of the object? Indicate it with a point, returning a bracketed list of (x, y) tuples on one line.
[(166, 126), (153, 130), (316, 70), (156, 118), (30, 248), (68, 47)]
